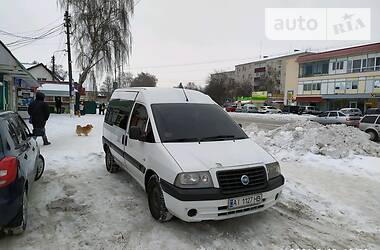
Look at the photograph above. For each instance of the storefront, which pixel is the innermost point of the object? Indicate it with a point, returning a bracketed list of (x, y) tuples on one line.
[(13, 78)]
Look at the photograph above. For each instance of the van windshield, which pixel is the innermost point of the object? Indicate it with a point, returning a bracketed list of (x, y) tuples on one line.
[(189, 122)]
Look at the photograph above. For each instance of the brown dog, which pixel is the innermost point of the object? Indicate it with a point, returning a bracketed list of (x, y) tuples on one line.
[(84, 130)]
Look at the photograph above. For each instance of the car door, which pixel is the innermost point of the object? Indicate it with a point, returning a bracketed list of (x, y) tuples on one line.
[(21, 149), (322, 118), (135, 153), (332, 118), (116, 122), (32, 147)]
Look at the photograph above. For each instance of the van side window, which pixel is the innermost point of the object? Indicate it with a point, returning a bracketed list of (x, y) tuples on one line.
[(369, 119), (139, 117), (118, 113), (378, 120)]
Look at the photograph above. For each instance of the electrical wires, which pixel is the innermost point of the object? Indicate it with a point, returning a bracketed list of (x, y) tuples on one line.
[(25, 40)]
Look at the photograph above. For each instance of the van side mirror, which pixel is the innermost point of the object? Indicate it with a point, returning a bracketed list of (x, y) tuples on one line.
[(135, 133), (240, 125)]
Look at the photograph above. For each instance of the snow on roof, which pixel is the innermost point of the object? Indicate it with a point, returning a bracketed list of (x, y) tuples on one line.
[(51, 89)]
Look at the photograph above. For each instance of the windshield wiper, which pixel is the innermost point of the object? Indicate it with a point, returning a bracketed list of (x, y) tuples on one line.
[(183, 140), (217, 138)]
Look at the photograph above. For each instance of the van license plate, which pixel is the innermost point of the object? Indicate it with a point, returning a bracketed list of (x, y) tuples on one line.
[(244, 201)]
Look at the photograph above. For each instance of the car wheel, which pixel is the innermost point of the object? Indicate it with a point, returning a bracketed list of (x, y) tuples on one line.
[(19, 224), (156, 200), (372, 135), (111, 165), (40, 167)]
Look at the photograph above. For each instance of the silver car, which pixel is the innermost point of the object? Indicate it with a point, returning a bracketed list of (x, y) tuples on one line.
[(352, 111), (371, 125), (336, 117)]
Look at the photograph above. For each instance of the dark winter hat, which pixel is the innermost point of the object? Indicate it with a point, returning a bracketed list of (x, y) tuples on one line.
[(40, 96)]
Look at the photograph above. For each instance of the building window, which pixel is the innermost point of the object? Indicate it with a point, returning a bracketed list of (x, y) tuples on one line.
[(377, 63), (334, 66), (370, 64), (340, 85), (339, 65), (355, 84), (356, 65), (376, 84), (317, 86)]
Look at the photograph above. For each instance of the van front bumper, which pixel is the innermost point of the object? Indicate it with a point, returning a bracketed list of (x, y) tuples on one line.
[(212, 204)]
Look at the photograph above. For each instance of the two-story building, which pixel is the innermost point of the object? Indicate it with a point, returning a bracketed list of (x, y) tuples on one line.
[(348, 77), (271, 74)]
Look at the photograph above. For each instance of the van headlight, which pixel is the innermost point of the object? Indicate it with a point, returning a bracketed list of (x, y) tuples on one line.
[(194, 180), (273, 170)]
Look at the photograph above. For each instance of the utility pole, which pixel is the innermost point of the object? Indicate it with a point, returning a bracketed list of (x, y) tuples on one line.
[(68, 25), (53, 66)]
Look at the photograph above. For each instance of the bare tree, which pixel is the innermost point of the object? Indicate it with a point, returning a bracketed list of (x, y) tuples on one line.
[(107, 86), (144, 80), (59, 71), (102, 37), (125, 79)]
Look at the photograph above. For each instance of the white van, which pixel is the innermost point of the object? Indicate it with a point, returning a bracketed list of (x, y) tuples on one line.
[(190, 157)]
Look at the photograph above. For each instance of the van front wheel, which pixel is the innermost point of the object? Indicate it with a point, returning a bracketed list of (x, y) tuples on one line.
[(156, 200)]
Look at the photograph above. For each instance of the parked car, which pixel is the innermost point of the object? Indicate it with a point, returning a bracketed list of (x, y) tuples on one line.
[(371, 125), (190, 157), (352, 111), (250, 108), (231, 108), (309, 110), (269, 109), (288, 109), (372, 111), (336, 117), (21, 165)]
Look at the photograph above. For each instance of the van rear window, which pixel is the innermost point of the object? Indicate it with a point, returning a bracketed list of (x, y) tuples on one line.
[(369, 119)]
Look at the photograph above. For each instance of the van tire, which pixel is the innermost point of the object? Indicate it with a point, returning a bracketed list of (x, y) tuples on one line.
[(156, 200), (111, 165)]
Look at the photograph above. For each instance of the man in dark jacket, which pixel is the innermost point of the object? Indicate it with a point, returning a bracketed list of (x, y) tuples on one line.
[(39, 113)]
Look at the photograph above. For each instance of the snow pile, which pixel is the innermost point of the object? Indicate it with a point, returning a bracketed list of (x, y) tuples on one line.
[(272, 117), (301, 137)]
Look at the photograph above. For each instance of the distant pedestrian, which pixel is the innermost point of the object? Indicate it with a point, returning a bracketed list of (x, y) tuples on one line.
[(39, 113), (103, 108), (81, 108), (58, 104)]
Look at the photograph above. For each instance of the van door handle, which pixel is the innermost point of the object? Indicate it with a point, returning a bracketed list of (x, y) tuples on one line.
[(124, 140), (25, 156), (33, 148)]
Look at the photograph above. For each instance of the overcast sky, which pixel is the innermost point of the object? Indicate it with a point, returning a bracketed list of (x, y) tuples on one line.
[(181, 40)]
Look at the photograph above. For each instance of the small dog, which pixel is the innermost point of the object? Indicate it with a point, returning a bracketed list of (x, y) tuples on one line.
[(84, 130)]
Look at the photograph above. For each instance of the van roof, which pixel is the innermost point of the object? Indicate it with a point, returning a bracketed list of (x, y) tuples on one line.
[(152, 95)]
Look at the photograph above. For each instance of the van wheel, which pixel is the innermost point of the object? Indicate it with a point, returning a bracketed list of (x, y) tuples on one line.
[(19, 224), (40, 167), (111, 165), (372, 135), (156, 200)]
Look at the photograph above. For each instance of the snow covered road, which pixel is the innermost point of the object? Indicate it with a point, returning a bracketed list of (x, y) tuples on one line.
[(327, 202)]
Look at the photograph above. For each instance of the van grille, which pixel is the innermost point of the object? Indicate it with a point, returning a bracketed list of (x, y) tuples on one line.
[(230, 180)]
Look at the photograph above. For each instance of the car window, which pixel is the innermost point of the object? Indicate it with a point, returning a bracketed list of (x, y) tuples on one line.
[(15, 134), (378, 120), (149, 133), (333, 114), (341, 114), (21, 126), (118, 113), (324, 114), (369, 119), (139, 117)]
